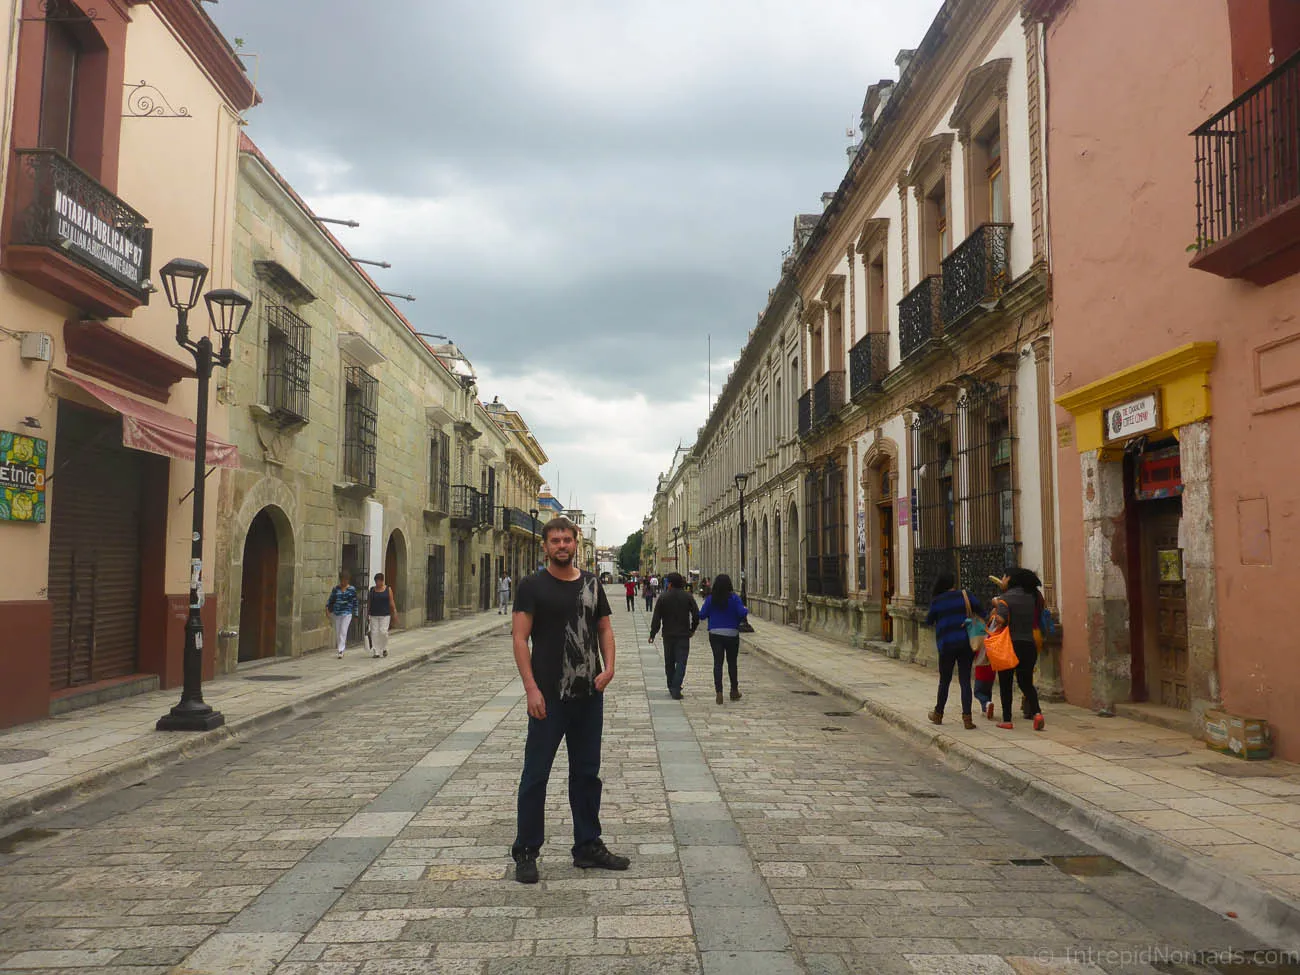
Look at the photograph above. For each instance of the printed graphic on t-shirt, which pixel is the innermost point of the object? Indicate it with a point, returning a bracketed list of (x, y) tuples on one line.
[(582, 661)]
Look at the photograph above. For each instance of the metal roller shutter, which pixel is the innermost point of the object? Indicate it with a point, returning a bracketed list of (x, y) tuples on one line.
[(94, 550)]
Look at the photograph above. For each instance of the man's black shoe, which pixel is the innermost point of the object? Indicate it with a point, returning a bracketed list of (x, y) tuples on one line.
[(675, 695), (526, 868), (597, 855)]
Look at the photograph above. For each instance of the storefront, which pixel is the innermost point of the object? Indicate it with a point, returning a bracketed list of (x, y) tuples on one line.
[(1142, 436)]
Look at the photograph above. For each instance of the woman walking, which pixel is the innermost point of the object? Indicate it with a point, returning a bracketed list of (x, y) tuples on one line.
[(724, 611), (383, 614), (1019, 608), (649, 594), (950, 607), (340, 608)]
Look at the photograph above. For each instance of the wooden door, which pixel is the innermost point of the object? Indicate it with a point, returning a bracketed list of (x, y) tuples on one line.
[(435, 595), (885, 545), (258, 590), (1166, 621)]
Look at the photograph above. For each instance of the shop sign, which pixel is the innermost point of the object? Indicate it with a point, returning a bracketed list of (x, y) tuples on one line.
[(22, 477), (1140, 415), (114, 251), (904, 512)]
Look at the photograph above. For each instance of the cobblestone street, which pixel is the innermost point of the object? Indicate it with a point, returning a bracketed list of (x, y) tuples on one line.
[(780, 833)]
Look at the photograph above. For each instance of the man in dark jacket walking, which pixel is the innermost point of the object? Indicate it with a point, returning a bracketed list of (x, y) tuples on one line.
[(677, 614)]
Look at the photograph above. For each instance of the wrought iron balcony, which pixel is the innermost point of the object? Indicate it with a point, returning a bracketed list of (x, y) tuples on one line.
[(805, 414), (1248, 181), (62, 213), (919, 320), (868, 364), (975, 274), (828, 397), (515, 518), (466, 504)]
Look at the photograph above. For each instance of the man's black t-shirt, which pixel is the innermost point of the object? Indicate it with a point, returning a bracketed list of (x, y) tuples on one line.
[(566, 644)]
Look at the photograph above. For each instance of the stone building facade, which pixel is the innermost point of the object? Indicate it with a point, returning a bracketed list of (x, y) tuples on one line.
[(752, 431), (927, 382), (361, 445), (673, 510)]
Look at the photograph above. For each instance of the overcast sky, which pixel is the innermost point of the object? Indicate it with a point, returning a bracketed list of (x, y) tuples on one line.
[(578, 192)]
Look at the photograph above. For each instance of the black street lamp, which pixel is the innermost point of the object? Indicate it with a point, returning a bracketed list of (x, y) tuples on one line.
[(676, 533), (227, 309), (533, 513), (740, 486)]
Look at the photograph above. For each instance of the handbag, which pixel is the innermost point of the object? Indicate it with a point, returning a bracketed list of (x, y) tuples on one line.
[(743, 626), (975, 628), (1001, 652)]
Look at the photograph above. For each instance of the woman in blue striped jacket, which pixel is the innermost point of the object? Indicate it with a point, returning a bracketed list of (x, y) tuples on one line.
[(949, 609)]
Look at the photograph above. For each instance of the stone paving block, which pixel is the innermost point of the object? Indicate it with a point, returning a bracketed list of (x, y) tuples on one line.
[(239, 954), (633, 926), (741, 929), (752, 963), (333, 932), (959, 965), (67, 958)]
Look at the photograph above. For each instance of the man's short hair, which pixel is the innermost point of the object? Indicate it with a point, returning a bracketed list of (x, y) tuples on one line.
[(676, 580), (559, 524)]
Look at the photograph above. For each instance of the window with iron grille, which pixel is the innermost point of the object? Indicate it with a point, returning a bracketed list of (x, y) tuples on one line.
[(812, 531), (360, 425), (440, 472), (988, 542), (490, 498), (832, 525), (933, 506), (288, 364)]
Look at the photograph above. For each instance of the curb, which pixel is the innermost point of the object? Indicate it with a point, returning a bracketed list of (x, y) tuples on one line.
[(79, 788), (1267, 915)]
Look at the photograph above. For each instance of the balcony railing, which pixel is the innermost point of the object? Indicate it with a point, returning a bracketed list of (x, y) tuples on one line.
[(975, 274), (465, 503), (64, 208), (868, 364), (1248, 155), (515, 518), (919, 320), (805, 414), (828, 397)]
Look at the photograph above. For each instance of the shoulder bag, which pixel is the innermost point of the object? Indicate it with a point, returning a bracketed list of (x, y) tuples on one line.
[(975, 628), (998, 646)]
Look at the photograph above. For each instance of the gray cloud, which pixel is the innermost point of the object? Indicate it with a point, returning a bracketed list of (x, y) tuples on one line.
[(614, 181)]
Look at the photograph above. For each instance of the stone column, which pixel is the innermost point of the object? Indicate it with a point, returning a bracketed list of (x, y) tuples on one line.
[(1197, 542), (1105, 587)]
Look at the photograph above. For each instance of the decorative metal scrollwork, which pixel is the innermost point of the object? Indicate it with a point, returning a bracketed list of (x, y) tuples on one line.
[(146, 101), (62, 12)]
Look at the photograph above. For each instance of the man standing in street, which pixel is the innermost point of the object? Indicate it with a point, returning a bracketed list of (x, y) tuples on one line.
[(567, 616), (677, 613), (503, 592), (629, 591)]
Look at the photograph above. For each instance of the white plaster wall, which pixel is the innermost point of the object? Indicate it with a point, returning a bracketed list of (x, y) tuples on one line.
[(896, 430), (1030, 499)]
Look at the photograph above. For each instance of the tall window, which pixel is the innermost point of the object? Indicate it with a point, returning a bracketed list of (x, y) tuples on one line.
[(440, 472), (987, 499), (360, 425), (938, 228), (288, 363), (59, 87), (836, 363), (934, 513), (877, 294), (818, 351)]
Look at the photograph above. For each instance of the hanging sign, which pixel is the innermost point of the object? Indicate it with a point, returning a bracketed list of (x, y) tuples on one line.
[(1136, 416), (22, 477), (904, 512)]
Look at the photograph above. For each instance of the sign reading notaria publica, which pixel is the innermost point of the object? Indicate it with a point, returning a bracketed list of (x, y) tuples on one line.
[(22, 477), (98, 242)]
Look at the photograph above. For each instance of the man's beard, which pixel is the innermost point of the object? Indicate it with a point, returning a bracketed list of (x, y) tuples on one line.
[(562, 558)]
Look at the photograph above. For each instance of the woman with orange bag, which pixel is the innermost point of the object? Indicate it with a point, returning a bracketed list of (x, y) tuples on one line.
[(1018, 610)]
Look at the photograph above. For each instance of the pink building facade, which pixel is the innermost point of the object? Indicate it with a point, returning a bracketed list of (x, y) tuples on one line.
[(1174, 194)]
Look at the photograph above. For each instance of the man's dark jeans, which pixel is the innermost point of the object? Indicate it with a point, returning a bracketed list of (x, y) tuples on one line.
[(580, 723), (676, 650)]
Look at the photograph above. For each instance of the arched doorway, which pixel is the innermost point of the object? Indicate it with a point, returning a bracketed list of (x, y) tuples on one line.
[(395, 569), (793, 560), (259, 589)]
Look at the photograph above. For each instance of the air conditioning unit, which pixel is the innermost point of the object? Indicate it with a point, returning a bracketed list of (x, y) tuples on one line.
[(37, 347)]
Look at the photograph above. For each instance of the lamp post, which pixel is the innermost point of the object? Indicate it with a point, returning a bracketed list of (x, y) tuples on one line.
[(533, 513), (740, 486), (676, 533), (183, 281)]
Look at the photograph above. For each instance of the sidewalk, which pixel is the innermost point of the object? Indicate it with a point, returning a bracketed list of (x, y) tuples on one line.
[(65, 758), (1220, 830)]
